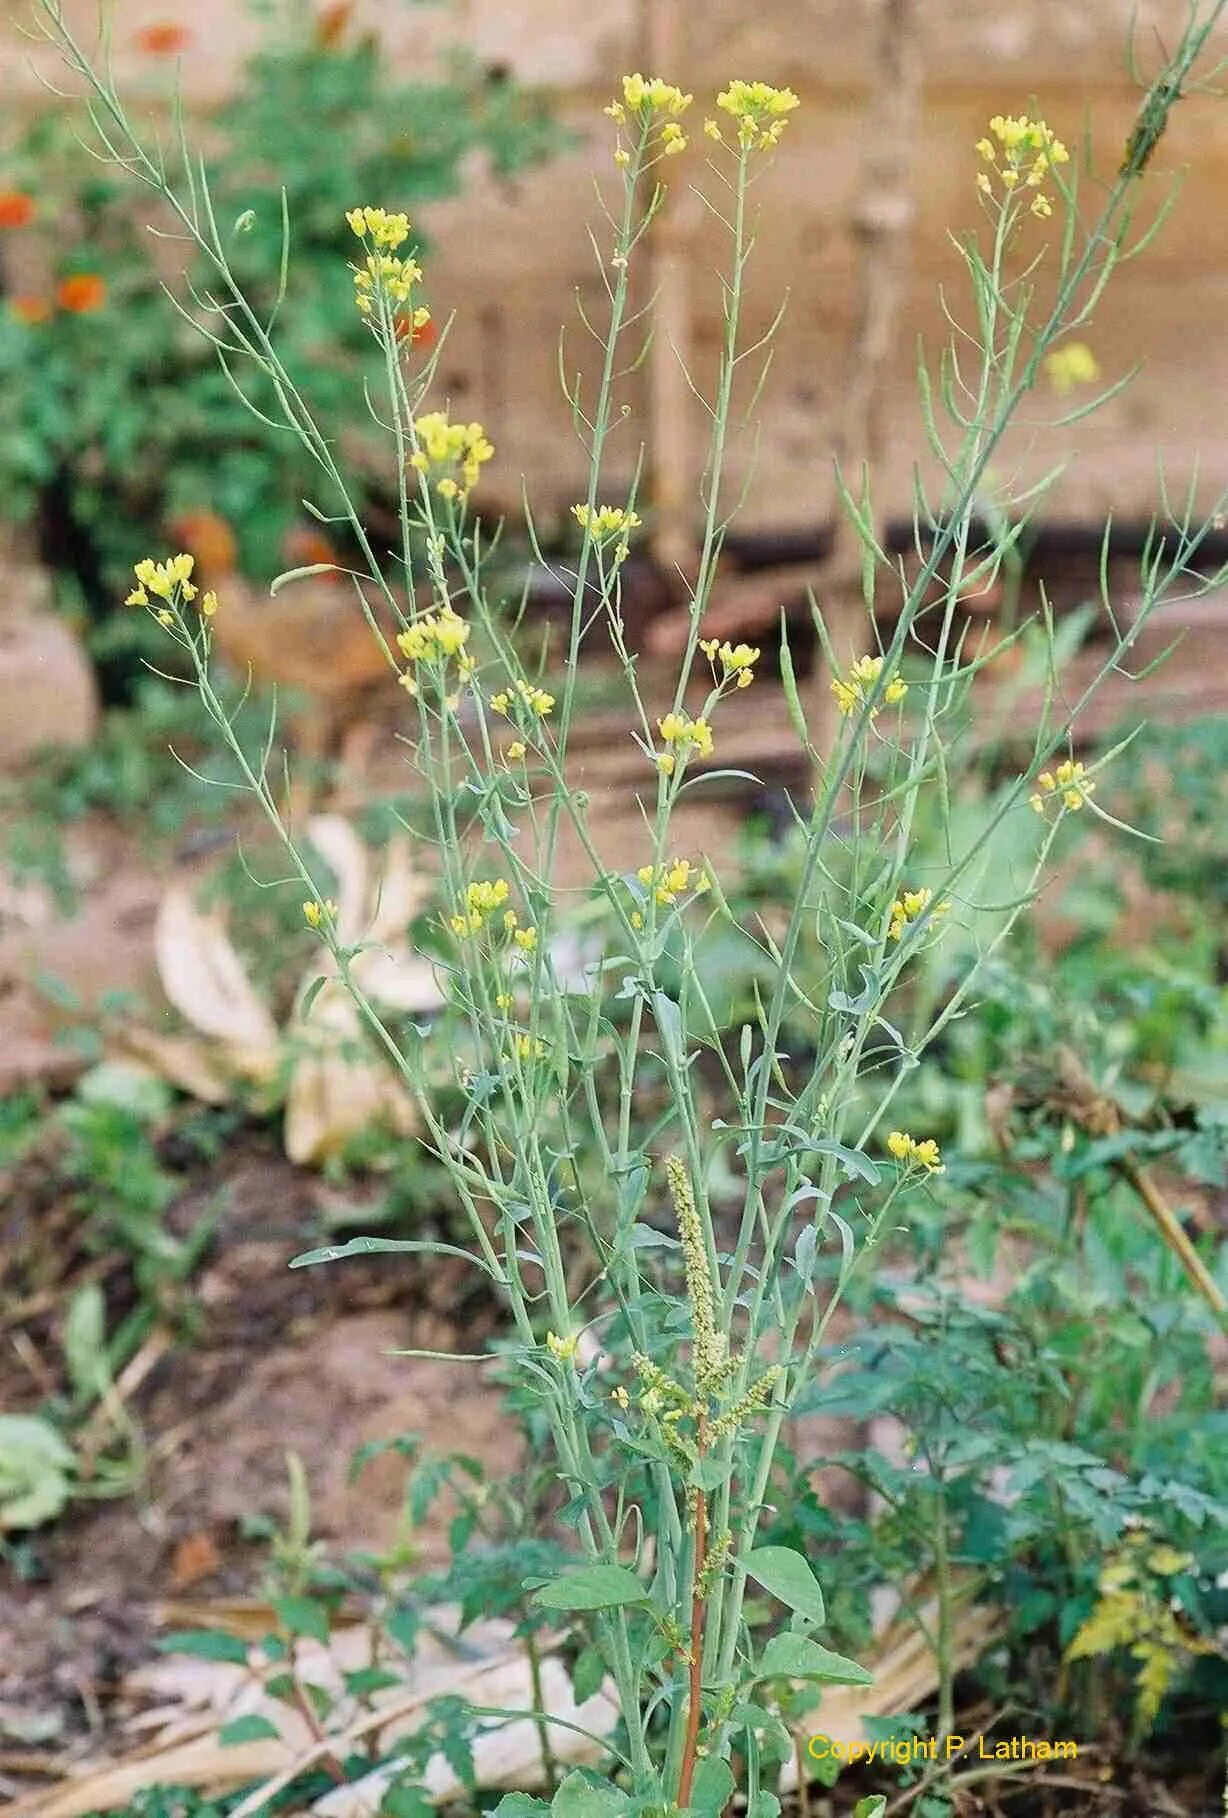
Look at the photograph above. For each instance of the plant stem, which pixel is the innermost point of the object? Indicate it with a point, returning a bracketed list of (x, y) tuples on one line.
[(695, 1691)]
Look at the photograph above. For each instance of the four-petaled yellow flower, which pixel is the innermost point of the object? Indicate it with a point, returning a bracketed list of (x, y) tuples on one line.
[(862, 677), (563, 1350), (908, 907), (317, 913), (446, 448), (758, 110), (914, 1154), (1069, 785), (1071, 365), (538, 702), (684, 734), (736, 660), (673, 879)]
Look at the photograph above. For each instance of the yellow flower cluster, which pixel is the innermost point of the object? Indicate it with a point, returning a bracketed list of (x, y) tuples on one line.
[(734, 660), (527, 1047), (165, 579), (434, 638), (378, 226), (1069, 366), (853, 693), (480, 901), (538, 702), (914, 1154), (1069, 783), (606, 523), (673, 879), (446, 447), (910, 905), (317, 913), (383, 270), (758, 110), (648, 99), (684, 734), (1029, 151)]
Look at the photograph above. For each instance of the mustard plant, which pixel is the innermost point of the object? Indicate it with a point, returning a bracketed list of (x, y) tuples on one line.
[(667, 1308)]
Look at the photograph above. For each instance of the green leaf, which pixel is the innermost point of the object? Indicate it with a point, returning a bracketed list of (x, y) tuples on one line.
[(592, 1587), (712, 1788), (403, 1800), (587, 1675), (205, 1644), (583, 1795), (519, 1805), (708, 1474), (787, 1576), (797, 1657), (252, 1728), (763, 1805), (36, 1467), (85, 1341), (379, 1246), (303, 1616), (872, 1807)]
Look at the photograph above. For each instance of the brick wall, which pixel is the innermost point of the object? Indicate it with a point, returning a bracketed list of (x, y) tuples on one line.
[(509, 259)]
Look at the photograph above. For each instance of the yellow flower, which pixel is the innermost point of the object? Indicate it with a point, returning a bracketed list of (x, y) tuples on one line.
[(682, 732), (515, 751), (317, 913), (481, 899), (606, 521), (503, 1001), (208, 605), (736, 660), (862, 677), (445, 448), (653, 95), (1069, 784), (164, 579), (1030, 150), (1071, 365), (759, 110), (538, 702), (434, 636), (673, 139), (526, 939), (713, 131), (915, 1154), (563, 1350), (377, 225), (908, 907), (527, 1047), (671, 880), (393, 278)]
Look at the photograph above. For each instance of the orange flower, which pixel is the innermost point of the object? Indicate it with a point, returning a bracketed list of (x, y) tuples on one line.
[(424, 337), (83, 292), (163, 39), (29, 311), (16, 208), (210, 539), (331, 24)]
